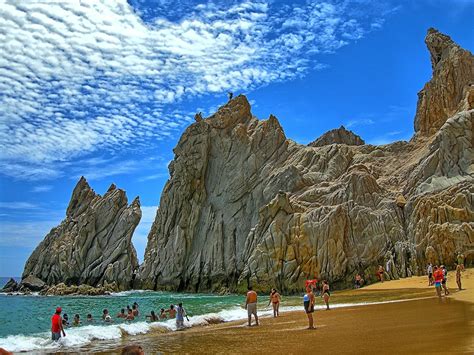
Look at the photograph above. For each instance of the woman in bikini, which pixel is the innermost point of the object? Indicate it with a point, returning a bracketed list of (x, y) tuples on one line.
[(275, 299), (326, 294)]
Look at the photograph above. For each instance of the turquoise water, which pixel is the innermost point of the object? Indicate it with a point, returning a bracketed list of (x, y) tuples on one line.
[(25, 322)]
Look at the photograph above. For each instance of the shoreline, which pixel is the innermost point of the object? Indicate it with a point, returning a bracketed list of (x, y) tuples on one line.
[(422, 325), (379, 297)]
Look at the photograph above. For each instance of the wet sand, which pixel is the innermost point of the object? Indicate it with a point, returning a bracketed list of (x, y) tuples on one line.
[(416, 326)]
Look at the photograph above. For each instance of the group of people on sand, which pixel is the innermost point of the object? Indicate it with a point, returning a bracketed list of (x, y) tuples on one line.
[(59, 323), (309, 300), (438, 276)]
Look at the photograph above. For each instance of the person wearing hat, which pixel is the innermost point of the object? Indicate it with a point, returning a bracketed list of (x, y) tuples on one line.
[(57, 325)]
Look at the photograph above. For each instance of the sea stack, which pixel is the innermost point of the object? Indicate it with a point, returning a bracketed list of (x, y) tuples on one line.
[(92, 245), (245, 205)]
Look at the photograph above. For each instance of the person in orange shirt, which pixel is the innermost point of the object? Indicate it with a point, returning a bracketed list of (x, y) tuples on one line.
[(438, 278), (275, 299), (251, 305)]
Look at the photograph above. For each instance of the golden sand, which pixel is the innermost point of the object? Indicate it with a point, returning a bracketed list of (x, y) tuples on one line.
[(417, 326)]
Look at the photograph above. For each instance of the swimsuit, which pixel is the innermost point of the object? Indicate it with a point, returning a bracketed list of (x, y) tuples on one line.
[(306, 304)]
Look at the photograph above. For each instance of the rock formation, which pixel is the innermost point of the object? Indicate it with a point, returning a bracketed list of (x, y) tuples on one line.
[(10, 286), (244, 205), (340, 136), (450, 90), (92, 245)]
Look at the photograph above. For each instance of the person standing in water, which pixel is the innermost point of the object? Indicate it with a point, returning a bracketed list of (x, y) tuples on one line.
[(430, 274), (251, 305), (326, 294), (438, 278), (153, 317), (275, 299), (180, 314), (171, 311), (458, 276), (57, 325), (162, 313), (308, 304)]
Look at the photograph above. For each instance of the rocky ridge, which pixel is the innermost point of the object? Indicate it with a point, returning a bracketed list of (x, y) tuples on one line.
[(92, 245), (245, 205), (338, 136)]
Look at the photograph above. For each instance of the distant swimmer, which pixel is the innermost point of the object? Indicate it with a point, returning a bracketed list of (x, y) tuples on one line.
[(122, 314), (57, 325), (171, 311), (76, 321), (89, 318), (130, 315), (438, 278), (308, 304), (445, 280), (153, 317), (458, 276), (162, 313), (135, 310), (326, 294), (251, 305), (429, 271), (106, 316), (275, 299), (65, 320)]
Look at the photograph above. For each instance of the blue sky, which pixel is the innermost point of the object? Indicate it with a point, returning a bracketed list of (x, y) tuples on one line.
[(105, 90)]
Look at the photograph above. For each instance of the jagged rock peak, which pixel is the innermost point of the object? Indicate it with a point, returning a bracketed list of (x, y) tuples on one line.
[(338, 136), (437, 44), (92, 245), (232, 113), (450, 89)]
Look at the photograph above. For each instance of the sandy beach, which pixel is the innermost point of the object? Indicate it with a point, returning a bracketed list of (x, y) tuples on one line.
[(412, 321)]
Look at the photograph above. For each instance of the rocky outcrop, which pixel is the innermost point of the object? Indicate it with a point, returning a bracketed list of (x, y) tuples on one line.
[(31, 283), (82, 290), (92, 245), (244, 205), (338, 136), (450, 90), (10, 286)]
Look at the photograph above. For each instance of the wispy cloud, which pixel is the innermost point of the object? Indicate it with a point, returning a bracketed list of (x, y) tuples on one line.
[(42, 188), (77, 77), (16, 205), (359, 122)]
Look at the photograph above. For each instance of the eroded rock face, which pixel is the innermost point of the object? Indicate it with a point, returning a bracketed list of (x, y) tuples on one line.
[(92, 245), (338, 136), (244, 205), (10, 286), (450, 90)]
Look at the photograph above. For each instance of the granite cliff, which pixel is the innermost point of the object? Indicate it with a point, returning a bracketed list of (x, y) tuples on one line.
[(92, 245), (244, 204)]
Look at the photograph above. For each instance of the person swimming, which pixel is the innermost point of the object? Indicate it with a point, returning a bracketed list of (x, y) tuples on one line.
[(106, 316), (122, 313), (65, 320), (153, 317), (135, 309), (162, 313), (89, 318), (130, 315), (76, 321)]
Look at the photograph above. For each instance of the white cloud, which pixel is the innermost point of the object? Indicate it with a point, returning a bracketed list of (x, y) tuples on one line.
[(78, 77), (42, 188), (16, 205), (359, 122)]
